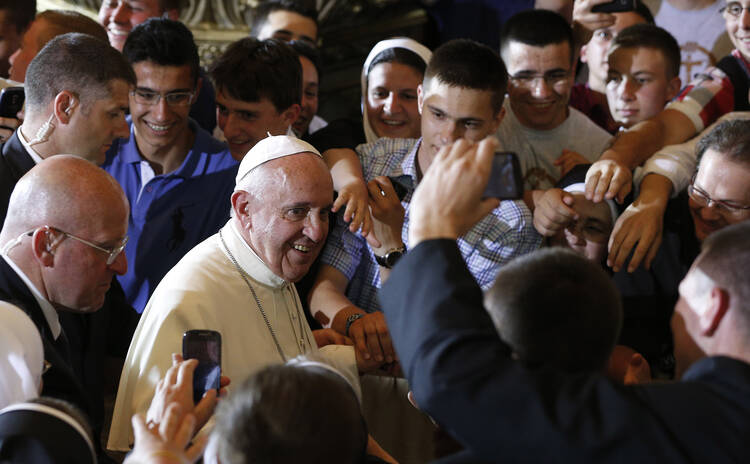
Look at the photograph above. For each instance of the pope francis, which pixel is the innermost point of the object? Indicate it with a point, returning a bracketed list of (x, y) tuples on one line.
[(239, 282)]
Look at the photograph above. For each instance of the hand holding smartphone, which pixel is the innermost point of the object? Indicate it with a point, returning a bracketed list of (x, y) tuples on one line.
[(205, 346)]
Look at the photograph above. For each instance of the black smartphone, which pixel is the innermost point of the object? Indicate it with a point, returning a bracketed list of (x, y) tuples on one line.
[(615, 6), (11, 101), (402, 185), (506, 182), (205, 346)]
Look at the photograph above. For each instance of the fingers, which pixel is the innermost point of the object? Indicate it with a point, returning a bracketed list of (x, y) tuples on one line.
[(619, 186), (602, 186), (357, 333), (184, 431), (592, 182), (205, 408), (185, 371), (652, 250), (373, 343), (139, 427), (341, 200), (171, 420), (195, 450), (367, 229)]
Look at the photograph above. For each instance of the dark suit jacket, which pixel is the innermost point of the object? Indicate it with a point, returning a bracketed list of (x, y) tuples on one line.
[(14, 163), (59, 381), (461, 374), (92, 337)]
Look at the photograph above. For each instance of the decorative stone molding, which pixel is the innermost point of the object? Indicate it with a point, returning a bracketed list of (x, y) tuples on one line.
[(214, 23)]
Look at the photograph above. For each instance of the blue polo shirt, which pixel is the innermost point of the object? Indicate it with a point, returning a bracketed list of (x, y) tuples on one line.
[(172, 212)]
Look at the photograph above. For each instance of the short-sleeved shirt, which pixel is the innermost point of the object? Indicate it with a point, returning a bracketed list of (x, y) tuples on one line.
[(500, 236), (170, 213)]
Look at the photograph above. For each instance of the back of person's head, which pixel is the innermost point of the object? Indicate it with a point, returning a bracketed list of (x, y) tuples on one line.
[(164, 42), (251, 69), (76, 62), (19, 13), (556, 308), (45, 430), (471, 65), (304, 8), (291, 414), (59, 22), (729, 138), (654, 37), (537, 28), (725, 258)]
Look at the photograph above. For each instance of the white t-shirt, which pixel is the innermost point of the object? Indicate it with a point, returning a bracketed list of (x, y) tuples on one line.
[(537, 150), (701, 34)]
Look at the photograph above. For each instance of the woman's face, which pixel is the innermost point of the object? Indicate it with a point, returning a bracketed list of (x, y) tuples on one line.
[(590, 233), (391, 102)]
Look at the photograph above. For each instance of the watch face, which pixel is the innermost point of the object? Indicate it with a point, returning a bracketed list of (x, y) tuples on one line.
[(392, 258)]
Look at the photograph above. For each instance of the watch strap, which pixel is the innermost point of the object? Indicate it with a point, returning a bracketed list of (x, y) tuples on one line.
[(350, 320)]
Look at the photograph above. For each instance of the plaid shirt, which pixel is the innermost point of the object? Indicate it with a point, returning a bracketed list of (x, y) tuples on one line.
[(708, 97), (505, 233)]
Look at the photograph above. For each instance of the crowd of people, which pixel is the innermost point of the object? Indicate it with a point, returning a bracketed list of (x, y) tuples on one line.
[(373, 305)]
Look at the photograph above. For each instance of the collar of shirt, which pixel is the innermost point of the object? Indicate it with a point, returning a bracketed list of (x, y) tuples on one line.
[(248, 259), (50, 314), (409, 163), (34, 155)]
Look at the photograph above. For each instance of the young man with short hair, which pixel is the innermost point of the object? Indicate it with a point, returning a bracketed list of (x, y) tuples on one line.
[(540, 127), (643, 75), (175, 175), (258, 91), (461, 96), (589, 97)]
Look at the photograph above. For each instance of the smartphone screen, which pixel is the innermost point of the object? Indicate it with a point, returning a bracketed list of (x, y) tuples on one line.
[(205, 346), (614, 6), (506, 182)]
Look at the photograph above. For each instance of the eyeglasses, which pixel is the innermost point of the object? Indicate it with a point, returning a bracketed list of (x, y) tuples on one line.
[(701, 198), (149, 97), (112, 253), (589, 229), (551, 78), (733, 9)]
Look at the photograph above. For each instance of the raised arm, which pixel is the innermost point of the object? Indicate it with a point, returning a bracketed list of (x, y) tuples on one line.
[(611, 176)]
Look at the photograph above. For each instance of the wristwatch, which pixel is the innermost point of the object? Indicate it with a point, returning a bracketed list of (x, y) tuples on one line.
[(350, 320), (391, 257)]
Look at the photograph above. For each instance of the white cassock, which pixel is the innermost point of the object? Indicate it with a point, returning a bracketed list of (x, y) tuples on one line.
[(205, 290)]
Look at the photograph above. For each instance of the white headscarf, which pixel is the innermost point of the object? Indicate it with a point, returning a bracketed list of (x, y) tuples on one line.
[(21, 356), (400, 42)]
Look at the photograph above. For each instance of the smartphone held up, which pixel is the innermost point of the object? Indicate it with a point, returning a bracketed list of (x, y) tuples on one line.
[(205, 346)]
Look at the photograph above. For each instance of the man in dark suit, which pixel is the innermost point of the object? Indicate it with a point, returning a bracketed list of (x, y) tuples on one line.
[(61, 247), (462, 374), (76, 99)]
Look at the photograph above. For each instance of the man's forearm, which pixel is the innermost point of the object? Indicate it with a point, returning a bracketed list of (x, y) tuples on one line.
[(636, 145)]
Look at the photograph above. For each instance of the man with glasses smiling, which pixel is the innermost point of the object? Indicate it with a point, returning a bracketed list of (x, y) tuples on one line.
[(548, 136), (60, 247), (176, 176)]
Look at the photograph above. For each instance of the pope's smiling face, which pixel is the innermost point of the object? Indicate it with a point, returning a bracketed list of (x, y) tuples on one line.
[(284, 216)]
